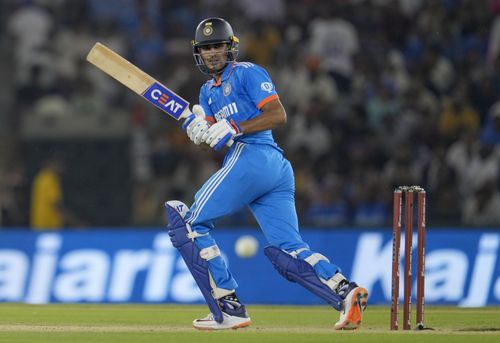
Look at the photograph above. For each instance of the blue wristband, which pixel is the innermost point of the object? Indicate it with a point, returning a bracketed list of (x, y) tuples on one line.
[(223, 142)]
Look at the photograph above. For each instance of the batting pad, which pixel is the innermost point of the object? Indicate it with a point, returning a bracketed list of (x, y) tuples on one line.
[(303, 273), (198, 267)]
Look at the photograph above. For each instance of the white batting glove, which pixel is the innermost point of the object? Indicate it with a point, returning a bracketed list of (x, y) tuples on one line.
[(220, 133), (196, 125)]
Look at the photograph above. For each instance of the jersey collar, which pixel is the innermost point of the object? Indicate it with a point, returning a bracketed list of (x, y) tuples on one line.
[(225, 75)]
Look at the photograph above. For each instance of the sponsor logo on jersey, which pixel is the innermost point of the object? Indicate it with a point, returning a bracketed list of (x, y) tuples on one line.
[(267, 87), (226, 111)]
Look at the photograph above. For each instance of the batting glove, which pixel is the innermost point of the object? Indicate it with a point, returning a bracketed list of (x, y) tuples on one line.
[(196, 125), (220, 133)]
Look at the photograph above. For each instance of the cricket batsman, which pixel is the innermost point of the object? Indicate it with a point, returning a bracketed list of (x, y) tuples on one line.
[(240, 104)]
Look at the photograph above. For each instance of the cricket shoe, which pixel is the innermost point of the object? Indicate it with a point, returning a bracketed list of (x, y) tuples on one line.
[(234, 316), (355, 301)]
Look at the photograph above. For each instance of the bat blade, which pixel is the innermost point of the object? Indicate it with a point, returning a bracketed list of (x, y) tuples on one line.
[(138, 81)]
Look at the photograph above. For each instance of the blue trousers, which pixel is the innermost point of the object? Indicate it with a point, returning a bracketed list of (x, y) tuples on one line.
[(258, 176)]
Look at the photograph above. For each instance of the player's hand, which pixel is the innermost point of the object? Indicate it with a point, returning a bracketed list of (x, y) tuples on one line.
[(220, 133), (196, 125)]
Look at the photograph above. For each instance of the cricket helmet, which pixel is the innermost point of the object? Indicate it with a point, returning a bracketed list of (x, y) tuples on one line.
[(214, 31)]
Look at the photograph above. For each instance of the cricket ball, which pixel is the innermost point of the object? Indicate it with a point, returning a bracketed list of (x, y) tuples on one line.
[(246, 246)]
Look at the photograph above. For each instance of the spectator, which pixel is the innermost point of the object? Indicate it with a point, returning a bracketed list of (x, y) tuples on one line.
[(483, 166), (30, 28), (261, 45), (383, 104), (13, 197), (48, 210), (272, 11), (459, 155), (370, 207), (335, 41), (307, 130), (440, 185), (403, 168), (494, 43), (490, 134), (482, 206), (328, 208), (147, 48), (439, 71), (303, 80), (457, 115)]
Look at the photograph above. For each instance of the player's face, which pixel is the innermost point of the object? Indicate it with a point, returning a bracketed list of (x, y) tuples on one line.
[(214, 56)]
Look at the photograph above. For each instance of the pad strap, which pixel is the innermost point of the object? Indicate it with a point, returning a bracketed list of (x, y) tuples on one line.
[(334, 281), (210, 252), (315, 258)]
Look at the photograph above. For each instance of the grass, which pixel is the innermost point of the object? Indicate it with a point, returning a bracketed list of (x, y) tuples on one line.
[(172, 323)]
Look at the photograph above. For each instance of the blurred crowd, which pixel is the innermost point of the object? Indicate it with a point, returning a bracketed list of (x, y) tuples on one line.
[(379, 93)]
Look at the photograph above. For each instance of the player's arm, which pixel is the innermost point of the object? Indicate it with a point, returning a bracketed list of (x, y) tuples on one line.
[(273, 115)]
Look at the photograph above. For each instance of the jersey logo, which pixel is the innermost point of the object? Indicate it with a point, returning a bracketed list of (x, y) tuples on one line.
[(210, 101), (227, 89), (267, 87)]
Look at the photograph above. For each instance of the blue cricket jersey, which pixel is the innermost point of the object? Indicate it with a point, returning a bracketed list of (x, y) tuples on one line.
[(243, 90), (254, 173)]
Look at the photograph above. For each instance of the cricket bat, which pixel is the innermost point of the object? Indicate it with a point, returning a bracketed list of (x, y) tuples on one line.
[(137, 80), (140, 82)]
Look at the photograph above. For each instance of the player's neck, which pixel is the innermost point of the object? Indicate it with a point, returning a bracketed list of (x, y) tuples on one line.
[(218, 76)]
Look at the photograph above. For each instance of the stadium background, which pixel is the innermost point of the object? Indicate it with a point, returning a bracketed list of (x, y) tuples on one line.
[(378, 93)]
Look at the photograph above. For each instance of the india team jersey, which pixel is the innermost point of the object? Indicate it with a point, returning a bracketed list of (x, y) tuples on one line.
[(243, 90)]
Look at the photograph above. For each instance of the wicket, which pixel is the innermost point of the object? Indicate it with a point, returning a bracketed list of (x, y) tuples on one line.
[(409, 192)]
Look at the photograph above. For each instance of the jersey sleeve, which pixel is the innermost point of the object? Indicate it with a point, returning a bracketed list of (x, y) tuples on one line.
[(209, 116), (259, 86)]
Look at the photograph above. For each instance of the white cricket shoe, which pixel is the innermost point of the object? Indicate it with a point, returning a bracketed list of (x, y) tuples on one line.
[(229, 322), (354, 305), (234, 316)]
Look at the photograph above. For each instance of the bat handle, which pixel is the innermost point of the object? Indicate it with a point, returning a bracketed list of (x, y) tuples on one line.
[(229, 143)]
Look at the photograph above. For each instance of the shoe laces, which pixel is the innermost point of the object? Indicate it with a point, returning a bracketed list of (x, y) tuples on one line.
[(230, 301), (231, 305), (342, 289)]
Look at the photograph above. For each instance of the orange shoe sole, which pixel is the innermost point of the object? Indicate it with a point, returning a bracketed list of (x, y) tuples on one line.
[(359, 302)]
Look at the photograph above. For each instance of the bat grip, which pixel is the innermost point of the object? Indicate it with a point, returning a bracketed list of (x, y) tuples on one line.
[(229, 143)]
